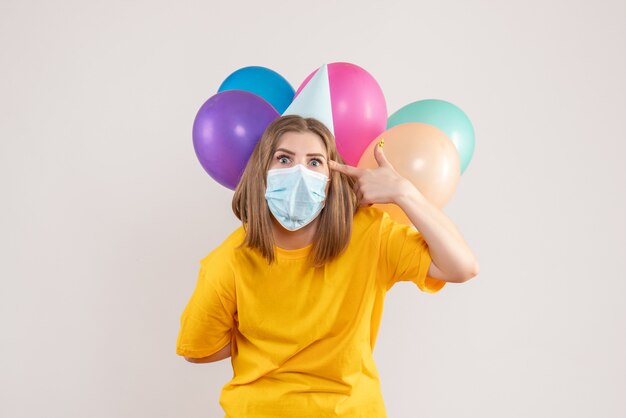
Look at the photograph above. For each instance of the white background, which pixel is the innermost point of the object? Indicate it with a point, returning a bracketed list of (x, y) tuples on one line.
[(105, 210)]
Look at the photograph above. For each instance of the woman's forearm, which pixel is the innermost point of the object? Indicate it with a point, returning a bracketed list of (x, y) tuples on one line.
[(447, 247)]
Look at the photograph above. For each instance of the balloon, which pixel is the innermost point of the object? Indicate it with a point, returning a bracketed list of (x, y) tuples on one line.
[(263, 82), (445, 116), (358, 107), (422, 154), (225, 131)]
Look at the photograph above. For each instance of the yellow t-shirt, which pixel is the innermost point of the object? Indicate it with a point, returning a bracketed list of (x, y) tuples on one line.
[(302, 338)]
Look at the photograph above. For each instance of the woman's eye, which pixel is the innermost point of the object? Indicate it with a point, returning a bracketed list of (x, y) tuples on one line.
[(283, 159), (318, 162)]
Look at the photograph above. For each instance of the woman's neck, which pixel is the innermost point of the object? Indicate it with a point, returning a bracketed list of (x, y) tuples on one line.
[(293, 240)]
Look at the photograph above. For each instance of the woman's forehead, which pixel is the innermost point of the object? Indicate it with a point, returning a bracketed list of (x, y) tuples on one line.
[(301, 143)]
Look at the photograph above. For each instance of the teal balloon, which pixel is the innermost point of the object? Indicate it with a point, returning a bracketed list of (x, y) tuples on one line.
[(263, 82), (444, 116)]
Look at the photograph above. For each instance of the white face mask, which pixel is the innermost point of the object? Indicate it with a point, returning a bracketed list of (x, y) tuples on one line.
[(295, 195)]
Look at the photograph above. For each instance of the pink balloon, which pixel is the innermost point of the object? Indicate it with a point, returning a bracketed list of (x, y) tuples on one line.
[(358, 106)]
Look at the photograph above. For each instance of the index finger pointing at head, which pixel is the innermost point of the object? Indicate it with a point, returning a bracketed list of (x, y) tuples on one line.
[(345, 169)]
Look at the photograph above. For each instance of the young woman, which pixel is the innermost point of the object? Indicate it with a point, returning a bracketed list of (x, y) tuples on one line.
[(295, 295)]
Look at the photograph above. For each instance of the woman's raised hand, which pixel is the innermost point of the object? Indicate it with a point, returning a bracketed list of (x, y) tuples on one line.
[(376, 185)]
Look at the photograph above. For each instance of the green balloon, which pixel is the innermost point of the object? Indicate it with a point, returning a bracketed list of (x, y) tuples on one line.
[(444, 116)]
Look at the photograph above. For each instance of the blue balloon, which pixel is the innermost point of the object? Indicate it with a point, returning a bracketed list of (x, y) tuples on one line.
[(263, 82), (444, 116)]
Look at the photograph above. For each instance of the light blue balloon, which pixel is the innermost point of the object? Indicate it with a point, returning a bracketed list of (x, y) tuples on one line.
[(444, 116), (263, 82)]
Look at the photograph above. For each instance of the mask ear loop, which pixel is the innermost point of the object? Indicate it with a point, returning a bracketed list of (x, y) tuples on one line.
[(330, 173)]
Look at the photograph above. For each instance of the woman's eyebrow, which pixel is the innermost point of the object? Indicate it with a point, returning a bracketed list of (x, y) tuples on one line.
[(293, 153)]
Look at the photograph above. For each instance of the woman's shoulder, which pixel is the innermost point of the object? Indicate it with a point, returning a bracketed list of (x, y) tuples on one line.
[(223, 253), (217, 268), (368, 223), (368, 216)]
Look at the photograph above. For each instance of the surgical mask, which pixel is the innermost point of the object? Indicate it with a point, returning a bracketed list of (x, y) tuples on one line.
[(295, 195)]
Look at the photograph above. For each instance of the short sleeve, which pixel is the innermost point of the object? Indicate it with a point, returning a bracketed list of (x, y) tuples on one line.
[(405, 256), (207, 321)]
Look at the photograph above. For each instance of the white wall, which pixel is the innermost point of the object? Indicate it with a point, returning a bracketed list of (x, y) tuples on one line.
[(106, 212)]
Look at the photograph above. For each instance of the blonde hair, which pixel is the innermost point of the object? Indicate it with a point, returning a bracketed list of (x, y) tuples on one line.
[(249, 205)]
